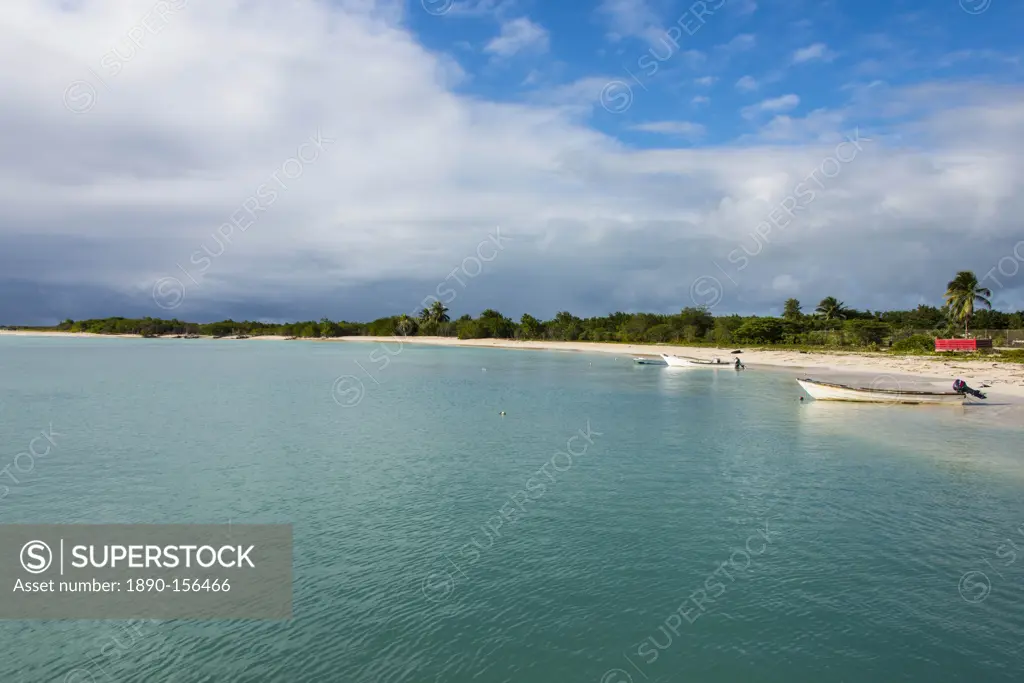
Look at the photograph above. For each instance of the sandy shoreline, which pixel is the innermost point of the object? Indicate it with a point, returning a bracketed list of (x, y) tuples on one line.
[(1005, 380)]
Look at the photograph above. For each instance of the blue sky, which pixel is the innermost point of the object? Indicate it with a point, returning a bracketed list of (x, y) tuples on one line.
[(154, 166), (724, 60)]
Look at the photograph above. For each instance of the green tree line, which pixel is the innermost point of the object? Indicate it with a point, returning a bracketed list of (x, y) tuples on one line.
[(832, 326), (830, 323)]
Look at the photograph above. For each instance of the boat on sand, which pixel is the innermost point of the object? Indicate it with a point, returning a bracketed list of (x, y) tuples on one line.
[(827, 391)]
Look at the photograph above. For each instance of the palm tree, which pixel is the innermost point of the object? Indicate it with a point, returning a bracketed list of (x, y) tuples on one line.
[(961, 293), (791, 310), (405, 325), (439, 312), (831, 308)]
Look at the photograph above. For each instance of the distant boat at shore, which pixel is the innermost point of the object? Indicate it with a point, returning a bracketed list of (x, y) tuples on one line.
[(685, 362), (827, 391)]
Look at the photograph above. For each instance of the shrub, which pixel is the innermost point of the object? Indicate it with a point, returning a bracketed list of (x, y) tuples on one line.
[(382, 327), (471, 329), (497, 326), (915, 343), (867, 331), (724, 328), (695, 322), (759, 331), (529, 328), (660, 334)]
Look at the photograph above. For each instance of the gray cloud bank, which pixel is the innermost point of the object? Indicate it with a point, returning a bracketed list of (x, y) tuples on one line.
[(115, 179)]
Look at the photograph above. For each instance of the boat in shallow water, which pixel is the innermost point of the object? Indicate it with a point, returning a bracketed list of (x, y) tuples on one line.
[(648, 361), (827, 391), (685, 362)]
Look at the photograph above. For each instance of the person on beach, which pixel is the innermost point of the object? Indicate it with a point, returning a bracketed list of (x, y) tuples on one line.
[(739, 365)]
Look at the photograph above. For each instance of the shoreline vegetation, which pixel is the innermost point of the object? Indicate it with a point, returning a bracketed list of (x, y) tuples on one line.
[(831, 327), (833, 337)]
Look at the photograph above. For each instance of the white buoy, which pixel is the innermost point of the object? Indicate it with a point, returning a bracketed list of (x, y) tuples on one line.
[(502, 413)]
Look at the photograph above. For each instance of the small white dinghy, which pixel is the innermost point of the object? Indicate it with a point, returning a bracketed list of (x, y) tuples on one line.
[(685, 362), (826, 391)]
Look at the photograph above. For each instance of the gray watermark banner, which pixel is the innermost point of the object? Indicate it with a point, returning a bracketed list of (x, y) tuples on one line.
[(152, 571)]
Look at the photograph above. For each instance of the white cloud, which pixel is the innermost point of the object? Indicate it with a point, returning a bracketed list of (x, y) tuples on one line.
[(775, 104), (818, 126), (519, 35), (581, 96), (782, 103), (419, 174), (687, 129), (817, 51), (961, 56), (694, 59), (705, 81), (747, 84), (700, 99), (740, 43), (631, 19), (745, 7), (472, 8)]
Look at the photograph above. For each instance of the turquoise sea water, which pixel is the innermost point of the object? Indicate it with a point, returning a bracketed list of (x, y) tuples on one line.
[(709, 528)]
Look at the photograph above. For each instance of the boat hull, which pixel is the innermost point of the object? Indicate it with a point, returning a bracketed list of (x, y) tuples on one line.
[(824, 391), (681, 362)]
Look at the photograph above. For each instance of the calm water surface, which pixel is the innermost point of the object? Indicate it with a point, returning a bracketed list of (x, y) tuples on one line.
[(709, 528)]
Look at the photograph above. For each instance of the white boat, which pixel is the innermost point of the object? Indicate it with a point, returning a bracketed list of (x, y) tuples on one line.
[(826, 391), (685, 362), (640, 360)]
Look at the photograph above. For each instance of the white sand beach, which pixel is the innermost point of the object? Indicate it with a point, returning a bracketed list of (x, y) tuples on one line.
[(47, 333), (1005, 380)]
